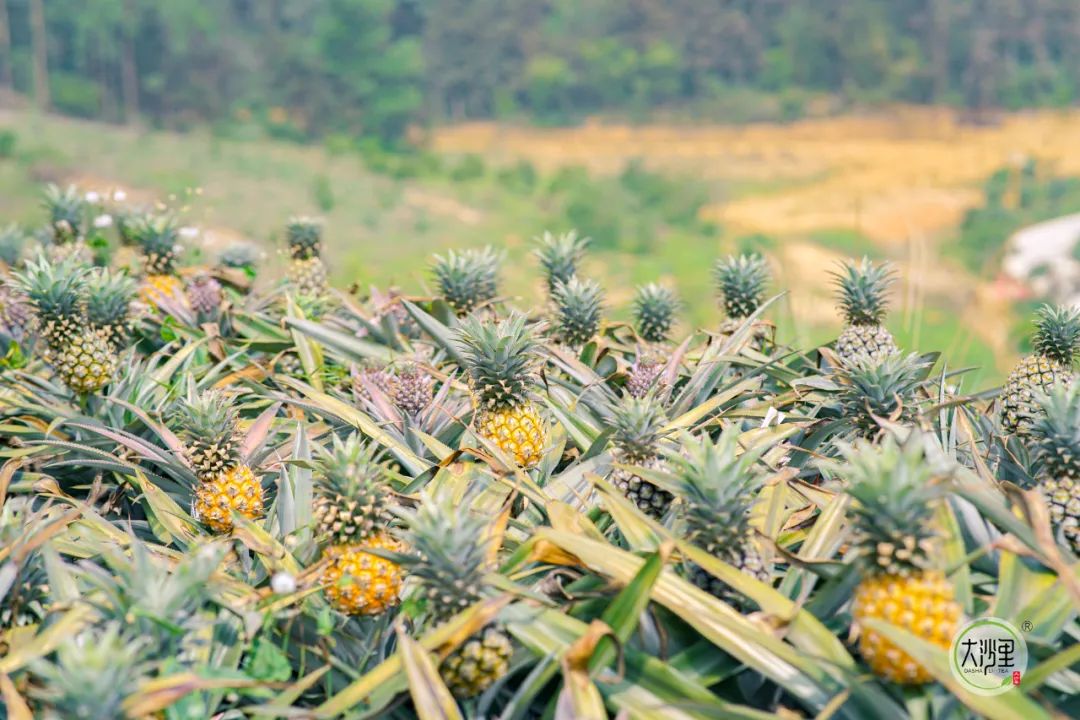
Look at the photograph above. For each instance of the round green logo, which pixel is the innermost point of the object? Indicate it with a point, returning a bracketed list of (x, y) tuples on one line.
[(989, 656)]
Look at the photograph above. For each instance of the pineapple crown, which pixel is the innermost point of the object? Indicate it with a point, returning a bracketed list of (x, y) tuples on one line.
[(579, 304), (1055, 432), (108, 298), (54, 290), (861, 291), (501, 359), (159, 238), (886, 389), (741, 282), (467, 279), (354, 500), (239, 255), (12, 240), (559, 256), (637, 426), (67, 211), (1057, 333), (209, 426), (451, 547), (654, 311), (304, 236), (718, 487), (128, 223), (892, 483)]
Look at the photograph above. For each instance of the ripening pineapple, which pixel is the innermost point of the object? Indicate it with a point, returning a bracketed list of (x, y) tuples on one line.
[(307, 271), (204, 294), (861, 293), (413, 389), (717, 488), (449, 566), (468, 279), (578, 307), (885, 388), (654, 312), (901, 583), (108, 306), (1054, 436), (15, 311), (1056, 342), (209, 429), (79, 353), (369, 375), (559, 257), (159, 242), (644, 374), (637, 426), (352, 512), (501, 360), (740, 283)]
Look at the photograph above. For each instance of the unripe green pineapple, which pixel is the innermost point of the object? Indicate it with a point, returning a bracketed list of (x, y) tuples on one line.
[(467, 279), (67, 211), (352, 510), (501, 361), (861, 293), (304, 237), (578, 307), (740, 282), (1056, 342), (897, 550), (451, 560), (560, 256), (885, 388), (1054, 436), (108, 306), (637, 426), (654, 312)]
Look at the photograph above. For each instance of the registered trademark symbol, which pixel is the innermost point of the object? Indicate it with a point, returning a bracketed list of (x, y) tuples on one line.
[(1026, 626)]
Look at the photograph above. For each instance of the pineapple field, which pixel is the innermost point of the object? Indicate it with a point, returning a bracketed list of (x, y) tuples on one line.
[(230, 489)]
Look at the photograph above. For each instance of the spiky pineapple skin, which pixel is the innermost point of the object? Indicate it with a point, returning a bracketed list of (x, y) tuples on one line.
[(478, 664), (85, 362), (745, 559), (1034, 373), (412, 390), (923, 603), (308, 275), (1063, 496), (157, 289), (519, 431), (872, 341), (236, 489), (361, 583), (642, 376), (204, 294), (650, 499)]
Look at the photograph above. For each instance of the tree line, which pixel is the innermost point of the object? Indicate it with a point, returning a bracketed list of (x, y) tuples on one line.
[(376, 67)]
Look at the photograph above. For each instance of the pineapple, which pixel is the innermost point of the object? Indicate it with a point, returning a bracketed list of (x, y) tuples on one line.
[(67, 213), (896, 550), (307, 271), (1055, 438), (412, 389), (240, 256), (861, 292), (449, 569), (467, 280), (371, 375), (159, 241), (645, 373), (352, 511), (886, 389), (740, 282), (717, 488), (654, 312), (637, 426), (108, 306), (79, 353), (209, 429), (578, 305), (1056, 343), (501, 362), (15, 310), (204, 294), (559, 257)]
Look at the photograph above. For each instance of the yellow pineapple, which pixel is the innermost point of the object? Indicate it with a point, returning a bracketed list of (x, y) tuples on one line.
[(501, 360), (352, 511), (307, 272), (159, 239)]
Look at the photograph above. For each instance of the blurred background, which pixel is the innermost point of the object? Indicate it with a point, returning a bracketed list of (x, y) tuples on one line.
[(938, 134)]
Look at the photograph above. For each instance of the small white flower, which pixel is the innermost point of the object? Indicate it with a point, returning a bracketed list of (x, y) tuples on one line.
[(93, 198), (103, 221), (283, 583), (119, 195), (188, 232)]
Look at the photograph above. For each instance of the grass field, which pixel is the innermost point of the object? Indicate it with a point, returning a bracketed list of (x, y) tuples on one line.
[(808, 194)]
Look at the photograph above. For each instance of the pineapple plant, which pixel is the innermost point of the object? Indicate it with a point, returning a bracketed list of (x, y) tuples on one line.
[(412, 389), (204, 294), (209, 428), (67, 210), (1054, 436), (15, 310), (644, 374), (467, 280), (449, 567), (79, 353), (1056, 343), (861, 290), (559, 256), (352, 511), (637, 430), (307, 272), (740, 283), (501, 360), (109, 297), (240, 256), (159, 243), (717, 488), (654, 312), (578, 307), (888, 389), (12, 242), (371, 375), (896, 549)]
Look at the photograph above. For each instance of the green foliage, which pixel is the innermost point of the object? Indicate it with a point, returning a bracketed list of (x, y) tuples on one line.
[(8, 139), (322, 192)]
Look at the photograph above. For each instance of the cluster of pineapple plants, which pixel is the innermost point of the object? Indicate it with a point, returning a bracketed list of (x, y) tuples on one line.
[(227, 495)]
